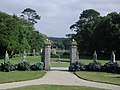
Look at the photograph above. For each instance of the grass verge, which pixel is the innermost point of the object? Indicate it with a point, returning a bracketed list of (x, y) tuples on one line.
[(16, 76), (102, 77), (55, 87)]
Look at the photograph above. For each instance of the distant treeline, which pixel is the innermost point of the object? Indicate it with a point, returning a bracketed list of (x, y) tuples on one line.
[(61, 43)]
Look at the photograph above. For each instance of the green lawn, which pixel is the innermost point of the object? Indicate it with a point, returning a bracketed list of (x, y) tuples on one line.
[(100, 77), (86, 61), (31, 59), (55, 87), (34, 59), (66, 62), (60, 64), (20, 76)]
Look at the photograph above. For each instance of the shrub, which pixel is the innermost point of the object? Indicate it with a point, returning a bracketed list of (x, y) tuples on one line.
[(111, 67), (37, 66), (72, 67), (94, 66), (22, 66), (77, 66), (7, 66)]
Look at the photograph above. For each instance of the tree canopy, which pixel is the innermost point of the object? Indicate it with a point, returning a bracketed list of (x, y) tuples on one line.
[(30, 15), (18, 34), (95, 32), (84, 28)]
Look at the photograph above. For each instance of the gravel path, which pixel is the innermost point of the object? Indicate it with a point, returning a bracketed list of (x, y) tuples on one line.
[(59, 78)]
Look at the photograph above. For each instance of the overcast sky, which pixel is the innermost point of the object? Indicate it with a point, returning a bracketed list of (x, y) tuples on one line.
[(58, 15)]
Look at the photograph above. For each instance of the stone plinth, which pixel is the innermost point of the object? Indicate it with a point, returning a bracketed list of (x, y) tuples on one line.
[(73, 52), (47, 52)]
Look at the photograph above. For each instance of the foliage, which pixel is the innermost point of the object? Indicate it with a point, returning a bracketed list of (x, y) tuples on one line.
[(84, 28), (24, 65), (37, 66), (9, 32), (17, 35), (77, 66), (31, 15), (61, 43), (7, 66), (111, 67), (94, 66), (110, 31), (94, 32), (37, 40)]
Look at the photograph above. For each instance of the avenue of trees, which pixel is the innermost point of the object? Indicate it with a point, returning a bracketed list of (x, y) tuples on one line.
[(18, 33), (95, 32)]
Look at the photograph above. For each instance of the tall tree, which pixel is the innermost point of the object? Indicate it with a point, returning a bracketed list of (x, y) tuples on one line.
[(84, 28), (107, 33), (16, 35), (9, 32), (31, 15), (37, 40)]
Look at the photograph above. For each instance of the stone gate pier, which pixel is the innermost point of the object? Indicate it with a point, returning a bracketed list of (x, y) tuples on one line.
[(47, 52), (73, 52)]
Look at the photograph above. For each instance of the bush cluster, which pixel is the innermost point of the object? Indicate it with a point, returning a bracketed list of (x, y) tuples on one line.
[(94, 66), (112, 67), (7, 66), (37, 66), (77, 66), (21, 66)]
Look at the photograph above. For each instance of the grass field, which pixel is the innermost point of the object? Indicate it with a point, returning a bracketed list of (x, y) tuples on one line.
[(20, 76), (60, 64), (99, 77), (31, 59), (65, 62), (86, 61), (55, 87)]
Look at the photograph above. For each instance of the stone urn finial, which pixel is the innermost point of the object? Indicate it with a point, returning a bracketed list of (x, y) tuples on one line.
[(74, 42), (47, 41)]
